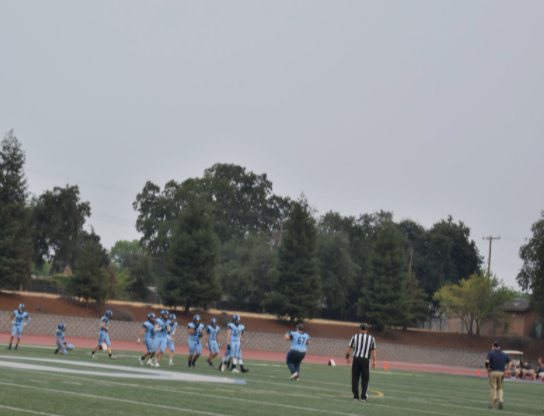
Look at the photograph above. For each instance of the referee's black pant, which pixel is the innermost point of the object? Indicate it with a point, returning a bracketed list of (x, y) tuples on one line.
[(360, 366)]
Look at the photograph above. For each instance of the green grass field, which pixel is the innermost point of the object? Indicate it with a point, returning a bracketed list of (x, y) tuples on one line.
[(322, 390)]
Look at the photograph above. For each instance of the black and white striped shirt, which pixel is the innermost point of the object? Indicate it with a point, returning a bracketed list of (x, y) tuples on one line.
[(362, 344)]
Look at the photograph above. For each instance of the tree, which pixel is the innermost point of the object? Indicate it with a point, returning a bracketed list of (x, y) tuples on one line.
[(418, 302), (58, 217), (244, 266), (297, 289), (91, 279), (384, 301), (135, 268), (337, 269), (15, 228), (531, 275), (477, 301), (191, 259), (242, 202)]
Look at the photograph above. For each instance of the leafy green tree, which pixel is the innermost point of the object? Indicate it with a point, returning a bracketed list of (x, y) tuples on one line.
[(135, 268), (58, 217), (244, 266), (531, 275), (192, 257), (337, 269), (15, 228), (91, 279), (477, 301), (242, 203), (384, 301), (297, 288)]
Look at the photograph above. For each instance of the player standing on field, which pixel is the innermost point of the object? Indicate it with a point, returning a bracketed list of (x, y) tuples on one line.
[(172, 325), (299, 340), (162, 333), (18, 319), (150, 328), (62, 346), (195, 333), (235, 332), (103, 335), (211, 340)]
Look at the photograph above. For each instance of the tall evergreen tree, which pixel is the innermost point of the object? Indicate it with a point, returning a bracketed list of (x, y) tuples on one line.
[(15, 229), (384, 300), (191, 259), (91, 279), (297, 289)]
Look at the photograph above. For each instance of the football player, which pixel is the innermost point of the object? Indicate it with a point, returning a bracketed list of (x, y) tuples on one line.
[(19, 318), (195, 329), (103, 336)]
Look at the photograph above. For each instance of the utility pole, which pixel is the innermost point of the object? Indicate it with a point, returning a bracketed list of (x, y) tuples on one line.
[(489, 259)]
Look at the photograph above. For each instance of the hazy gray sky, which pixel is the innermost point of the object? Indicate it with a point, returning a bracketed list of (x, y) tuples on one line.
[(424, 108)]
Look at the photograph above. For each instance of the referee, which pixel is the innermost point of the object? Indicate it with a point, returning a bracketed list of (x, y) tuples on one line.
[(361, 344)]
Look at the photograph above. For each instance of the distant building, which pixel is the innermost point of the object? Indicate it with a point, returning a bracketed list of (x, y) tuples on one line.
[(523, 321), (67, 271)]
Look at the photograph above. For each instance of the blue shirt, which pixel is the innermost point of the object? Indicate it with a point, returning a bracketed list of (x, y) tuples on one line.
[(198, 330), (236, 331), (149, 329), (298, 340), (497, 360), (163, 328), (20, 318), (212, 332), (106, 320), (59, 333)]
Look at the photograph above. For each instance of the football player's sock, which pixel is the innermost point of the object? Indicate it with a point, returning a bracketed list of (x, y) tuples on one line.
[(143, 357)]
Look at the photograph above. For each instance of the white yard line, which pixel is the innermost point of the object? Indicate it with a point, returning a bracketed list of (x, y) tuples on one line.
[(17, 409)]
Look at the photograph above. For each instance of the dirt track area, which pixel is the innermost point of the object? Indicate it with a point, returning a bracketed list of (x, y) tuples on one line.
[(53, 305)]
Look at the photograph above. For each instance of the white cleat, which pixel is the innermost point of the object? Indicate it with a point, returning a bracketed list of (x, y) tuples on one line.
[(157, 365), (141, 361), (223, 368), (149, 362), (235, 371), (293, 376), (170, 362)]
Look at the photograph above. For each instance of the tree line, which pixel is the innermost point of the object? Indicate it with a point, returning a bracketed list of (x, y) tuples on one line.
[(226, 234)]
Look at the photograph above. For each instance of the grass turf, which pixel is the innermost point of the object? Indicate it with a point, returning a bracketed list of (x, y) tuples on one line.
[(322, 390)]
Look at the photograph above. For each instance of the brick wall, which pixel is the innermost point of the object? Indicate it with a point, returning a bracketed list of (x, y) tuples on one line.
[(129, 331)]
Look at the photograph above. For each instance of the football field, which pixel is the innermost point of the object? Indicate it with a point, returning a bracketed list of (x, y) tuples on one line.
[(34, 381)]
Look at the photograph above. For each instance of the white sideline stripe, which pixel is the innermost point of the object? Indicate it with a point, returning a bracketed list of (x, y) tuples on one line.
[(26, 411), (124, 372)]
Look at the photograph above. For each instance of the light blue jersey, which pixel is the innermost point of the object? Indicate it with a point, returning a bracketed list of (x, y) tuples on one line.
[(195, 336), (103, 336), (212, 332), (106, 320), (298, 340), (236, 332), (149, 330), (19, 322), (59, 335), (163, 328), (20, 318), (170, 341)]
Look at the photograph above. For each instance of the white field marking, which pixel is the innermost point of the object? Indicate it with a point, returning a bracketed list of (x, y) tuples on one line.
[(26, 411), (33, 346), (72, 382), (39, 381), (128, 356), (124, 372), (92, 396)]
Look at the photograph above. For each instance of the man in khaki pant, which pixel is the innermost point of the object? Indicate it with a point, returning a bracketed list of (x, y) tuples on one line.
[(496, 364)]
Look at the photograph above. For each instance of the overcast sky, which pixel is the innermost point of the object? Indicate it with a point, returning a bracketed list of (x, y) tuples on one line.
[(423, 108)]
